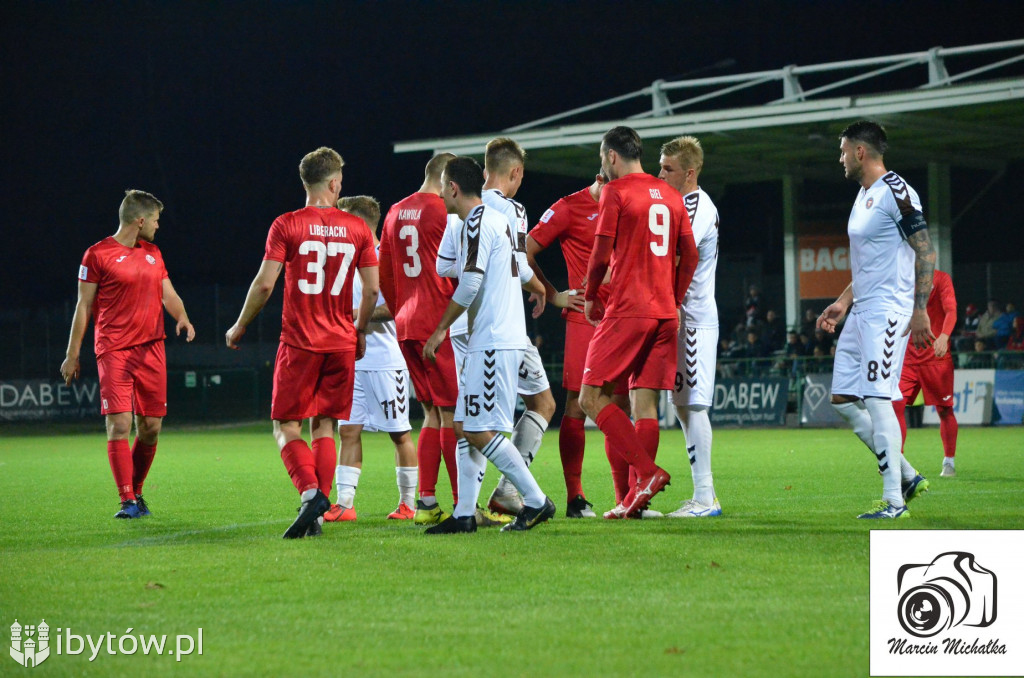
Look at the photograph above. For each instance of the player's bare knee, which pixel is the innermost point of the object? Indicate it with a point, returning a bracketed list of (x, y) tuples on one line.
[(542, 403), (148, 428), (840, 399), (119, 426), (479, 439), (572, 406)]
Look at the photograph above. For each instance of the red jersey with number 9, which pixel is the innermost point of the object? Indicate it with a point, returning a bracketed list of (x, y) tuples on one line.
[(409, 240), (321, 248), (646, 217)]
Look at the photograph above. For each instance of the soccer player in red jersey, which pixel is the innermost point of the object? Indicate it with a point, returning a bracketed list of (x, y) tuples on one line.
[(930, 368), (571, 222), (643, 233), (319, 247), (418, 297), (122, 280)]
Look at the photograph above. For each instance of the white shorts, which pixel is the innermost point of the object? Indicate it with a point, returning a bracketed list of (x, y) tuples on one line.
[(487, 390), (380, 401), (695, 370), (460, 346), (869, 355), (532, 377)]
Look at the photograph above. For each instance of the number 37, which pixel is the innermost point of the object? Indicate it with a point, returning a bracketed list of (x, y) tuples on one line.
[(321, 251)]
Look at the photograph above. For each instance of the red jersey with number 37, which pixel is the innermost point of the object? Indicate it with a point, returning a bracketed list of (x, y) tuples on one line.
[(128, 308), (409, 240), (646, 217), (321, 248), (571, 221)]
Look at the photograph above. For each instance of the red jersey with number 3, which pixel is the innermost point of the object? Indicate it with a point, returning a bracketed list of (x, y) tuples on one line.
[(646, 217), (941, 313), (128, 307), (321, 248), (571, 221), (409, 240)]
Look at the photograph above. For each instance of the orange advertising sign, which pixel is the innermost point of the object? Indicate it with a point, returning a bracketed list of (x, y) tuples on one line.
[(824, 264)]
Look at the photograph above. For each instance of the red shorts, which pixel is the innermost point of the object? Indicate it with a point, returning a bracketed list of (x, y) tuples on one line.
[(308, 384), (935, 378), (642, 349), (134, 380), (577, 341), (435, 383)]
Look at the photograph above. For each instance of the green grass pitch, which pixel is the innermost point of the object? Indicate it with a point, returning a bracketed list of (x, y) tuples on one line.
[(777, 586)]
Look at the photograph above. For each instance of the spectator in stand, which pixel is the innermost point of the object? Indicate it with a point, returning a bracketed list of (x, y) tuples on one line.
[(794, 347), (773, 332), (980, 359), (1016, 340), (805, 341), (807, 326), (753, 299), (965, 341), (1003, 325), (823, 341), (986, 330)]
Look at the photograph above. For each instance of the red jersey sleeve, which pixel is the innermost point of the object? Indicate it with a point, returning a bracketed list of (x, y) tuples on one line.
[(947, 297), (90, 271), (277, 243), (551, 224), (368, 257), (686, 249)]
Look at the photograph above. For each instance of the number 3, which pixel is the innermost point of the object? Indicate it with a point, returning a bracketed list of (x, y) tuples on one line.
[(411, 270), (658, 220)]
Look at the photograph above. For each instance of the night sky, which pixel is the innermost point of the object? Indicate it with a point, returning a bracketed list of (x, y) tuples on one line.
[(211, 105)]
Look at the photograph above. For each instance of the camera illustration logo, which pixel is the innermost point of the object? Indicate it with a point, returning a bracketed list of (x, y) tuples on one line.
[(951, 590)]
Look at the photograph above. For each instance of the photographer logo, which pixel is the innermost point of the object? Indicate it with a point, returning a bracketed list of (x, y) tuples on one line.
[(30, 645), (938, 607)]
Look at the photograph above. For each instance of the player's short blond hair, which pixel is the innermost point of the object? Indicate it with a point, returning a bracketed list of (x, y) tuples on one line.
[(502, 154), (318, 166), (138, 204), (687, 150), (363, 206), (435, 166)]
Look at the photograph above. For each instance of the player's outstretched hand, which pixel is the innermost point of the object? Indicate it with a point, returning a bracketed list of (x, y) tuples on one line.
[(831, 317), (70, 369), (430, 347), (594, 311), (920, 329), (539, 301), (234, 335), (190, 332)]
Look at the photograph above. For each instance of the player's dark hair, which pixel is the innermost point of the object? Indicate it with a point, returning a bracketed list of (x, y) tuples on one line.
[(436, 165), (624, 141), (502, 154), (317, 166), (467, 173), (871, 134), (137, 204), (363, 206)]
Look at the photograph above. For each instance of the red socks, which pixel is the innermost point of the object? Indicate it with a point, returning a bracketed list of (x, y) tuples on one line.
[(620, 471), (428, 459), (448, 446), (948, 428), (120, 457), (325, 456), (900, 408), (301, 465), (572, 440), (648, 431), (142, 460), (623, 438)]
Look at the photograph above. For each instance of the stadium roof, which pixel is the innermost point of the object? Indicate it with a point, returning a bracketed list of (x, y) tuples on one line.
[(970, 117)]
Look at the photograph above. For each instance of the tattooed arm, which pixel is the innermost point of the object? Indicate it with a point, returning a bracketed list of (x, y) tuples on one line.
[(920, 329)]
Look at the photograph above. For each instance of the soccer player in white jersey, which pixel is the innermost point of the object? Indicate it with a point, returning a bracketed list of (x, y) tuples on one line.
[(892, 260), (681, 161), (380, 400), (504, 165), (489, 287)]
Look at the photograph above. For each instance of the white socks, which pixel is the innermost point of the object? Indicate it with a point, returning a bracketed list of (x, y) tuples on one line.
[(696, 426), (406, 477), (526, 437), (888, 448), (506, 457), (346, 478), (856, 415), (472, 466)]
